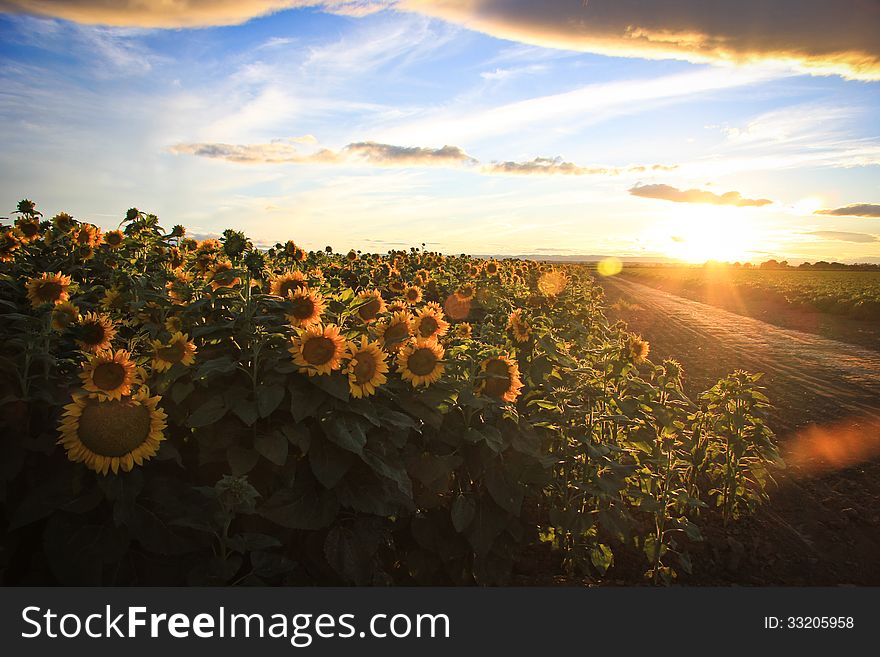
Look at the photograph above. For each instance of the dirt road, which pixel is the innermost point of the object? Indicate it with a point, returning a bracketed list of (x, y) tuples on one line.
[(823, 523)]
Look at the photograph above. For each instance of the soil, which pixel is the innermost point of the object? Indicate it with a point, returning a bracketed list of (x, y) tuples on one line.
[(822, 525)]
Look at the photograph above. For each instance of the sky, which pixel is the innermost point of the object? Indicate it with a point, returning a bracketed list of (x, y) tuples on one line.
[(689, 129)]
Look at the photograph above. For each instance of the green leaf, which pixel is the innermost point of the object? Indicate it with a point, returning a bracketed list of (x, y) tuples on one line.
[(241, 460), (269, 397), (601, 557), (463, 510), (345, 431), (303, 507), (246, 410), (329, 463), (208, 413), (298, 435), (504, 489), (335, 385), (273, 446)]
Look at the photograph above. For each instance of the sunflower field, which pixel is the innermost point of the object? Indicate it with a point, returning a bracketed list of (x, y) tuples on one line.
[(185, 412)]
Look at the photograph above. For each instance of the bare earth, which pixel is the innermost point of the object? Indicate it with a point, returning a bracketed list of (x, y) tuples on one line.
[(822, 526)]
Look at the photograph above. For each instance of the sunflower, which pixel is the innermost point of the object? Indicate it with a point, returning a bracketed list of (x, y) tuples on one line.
[(95, 332), (351, 256), (109, 374), (464, 330), (519, 326), (499, 378), (114, 239), (173, 324), (492, 268), (112, 434), (178, 350), (369, 305), (637, 348), (429, 322), (113, 299), (318, 350), (305, 308), (27, 229), (421, 361), (413, 294), (9, 244), (48, 288), (287, 283), (86, 235), (179, 290), (222, 275), (474, 271), (63, 222), (396, 286), (63, 315), (466, 292), (552, 282), (423, 276), (367, 368), (395, 330)]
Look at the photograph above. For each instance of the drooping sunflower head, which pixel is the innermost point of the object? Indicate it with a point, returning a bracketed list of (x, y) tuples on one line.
[(222, 275), (305, 308), (287, 283), (396, 285), (519, 326), (370, 305), (420, 361), (179, 289), (552, 282), (395, 330), (499, 378), (366, 368), (429, 323), (48, 288), (107, 435), (109, 374), (637, 349), (179, 349), (318, 350), (114, 239), (65, 314), (95, 332)]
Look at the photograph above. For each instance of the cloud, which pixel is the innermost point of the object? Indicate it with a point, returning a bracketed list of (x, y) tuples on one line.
[(816, 35), (843, 236), (385, 154), (546, 166), (668, 193), (854, 210), (365, 152), (283, 151)]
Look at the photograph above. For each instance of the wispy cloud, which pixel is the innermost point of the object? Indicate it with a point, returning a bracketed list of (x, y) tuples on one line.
[(843, 236), (669, 193), (580, 107), (854, 210)]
